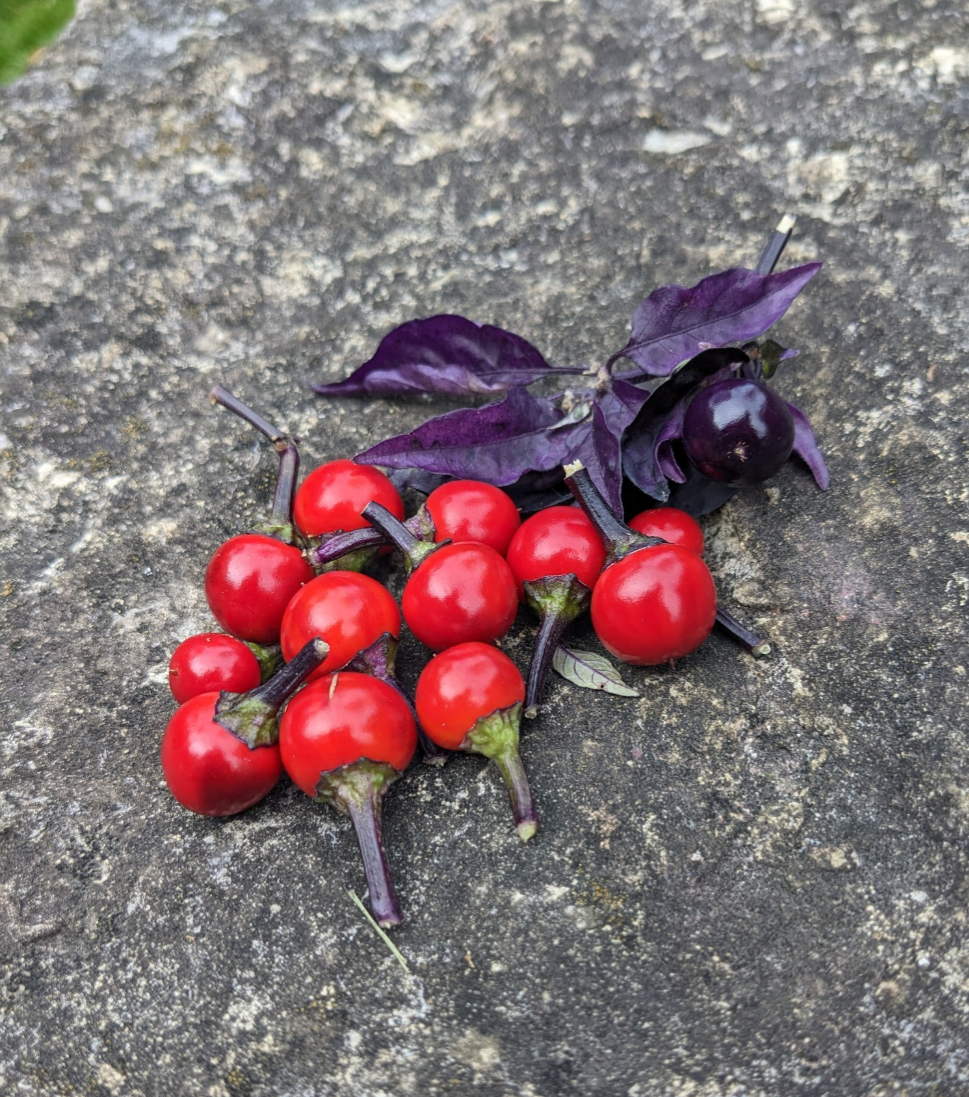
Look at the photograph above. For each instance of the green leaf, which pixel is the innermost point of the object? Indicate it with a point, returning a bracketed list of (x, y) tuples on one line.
[(590, 671), (25, 26)]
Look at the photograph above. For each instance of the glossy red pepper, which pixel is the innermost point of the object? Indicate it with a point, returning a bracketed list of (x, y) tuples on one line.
[(556, 557), (348, 610), (251, 578), (471, 510), (211, 662), (344, 740), (654, 602), (470, 698), (670, 524), (220, 752), (333, 495), (454, 593)]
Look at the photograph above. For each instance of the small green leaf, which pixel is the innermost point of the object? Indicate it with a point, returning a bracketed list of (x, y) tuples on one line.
[(771, 356), (25, 26), (590, 671)]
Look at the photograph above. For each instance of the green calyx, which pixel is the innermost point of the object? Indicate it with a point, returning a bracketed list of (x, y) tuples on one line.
[(269, 657), (358, 560), (562, 596), (496, 737), (282, 530), (253, 716), (354, 786), (249, 718)]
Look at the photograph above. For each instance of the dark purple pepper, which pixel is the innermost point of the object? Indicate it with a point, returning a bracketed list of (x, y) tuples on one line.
[(738, 432)]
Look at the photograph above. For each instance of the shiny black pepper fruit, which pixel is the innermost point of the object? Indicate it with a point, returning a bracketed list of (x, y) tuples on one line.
[(738, 432)]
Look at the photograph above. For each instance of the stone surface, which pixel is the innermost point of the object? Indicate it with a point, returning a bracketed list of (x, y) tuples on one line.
[(752, 880)]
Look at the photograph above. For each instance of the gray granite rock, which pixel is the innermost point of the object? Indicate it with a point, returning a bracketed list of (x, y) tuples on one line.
[(750, 881)]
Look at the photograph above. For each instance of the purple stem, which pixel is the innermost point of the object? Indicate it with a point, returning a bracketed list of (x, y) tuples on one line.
[(340, 544), (220, 395), (550, 629), (280, 522), (748, 640), (557, 600), (413, 548), (378, 661), (365, 817), (775, 245), (519, 792), (252, 716), (617, 537)]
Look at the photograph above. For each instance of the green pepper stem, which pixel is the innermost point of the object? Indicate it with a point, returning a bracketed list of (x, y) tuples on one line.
[(496, 737), (519, 792)]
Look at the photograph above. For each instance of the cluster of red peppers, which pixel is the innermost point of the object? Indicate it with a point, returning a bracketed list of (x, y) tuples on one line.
[(302, 679)]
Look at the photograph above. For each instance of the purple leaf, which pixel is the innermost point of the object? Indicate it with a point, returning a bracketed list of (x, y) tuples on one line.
[(446, 354), (667, 434), (647, 451), (601, 450), (675, 322), (497, 443), (698, 494), (806, 447)]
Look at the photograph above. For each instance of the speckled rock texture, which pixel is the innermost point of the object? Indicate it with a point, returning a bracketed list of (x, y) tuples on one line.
[(752, 880)]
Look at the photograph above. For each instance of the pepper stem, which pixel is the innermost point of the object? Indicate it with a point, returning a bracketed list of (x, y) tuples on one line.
[(617, 537), (748, 640), (496, 737), (280, 521), (558, 600), (252, 716), (358, 790), (349, 551), (378, 661), (413, 548), (776, 243)]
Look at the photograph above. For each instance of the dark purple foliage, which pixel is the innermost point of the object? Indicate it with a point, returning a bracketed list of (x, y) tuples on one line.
[(675, 322), (618, 430), (497, 443), (646, 453), (601, 454), (806, 447), (446, 354)]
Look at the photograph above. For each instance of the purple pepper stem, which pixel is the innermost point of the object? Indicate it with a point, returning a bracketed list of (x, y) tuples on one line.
[(557, 600), (280, 521), (496, 737), (350, 550), (618, 538), (413, 548), (252, 716), (748, 640), (358, 790)]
